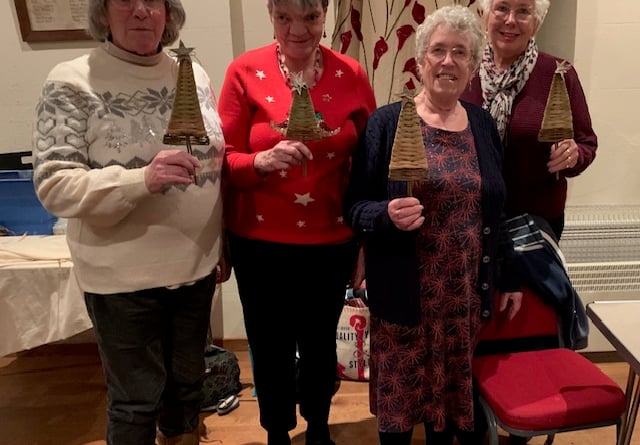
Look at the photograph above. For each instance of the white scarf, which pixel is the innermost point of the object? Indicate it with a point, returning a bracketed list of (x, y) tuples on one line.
[(499, 88)]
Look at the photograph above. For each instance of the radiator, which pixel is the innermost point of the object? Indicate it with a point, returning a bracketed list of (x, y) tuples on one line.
[(602, 248)]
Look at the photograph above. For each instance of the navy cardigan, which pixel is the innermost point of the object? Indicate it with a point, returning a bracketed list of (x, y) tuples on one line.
[(391, 266)]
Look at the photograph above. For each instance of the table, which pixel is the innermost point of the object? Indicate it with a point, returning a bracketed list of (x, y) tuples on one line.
[(40, 301), (618, 322)]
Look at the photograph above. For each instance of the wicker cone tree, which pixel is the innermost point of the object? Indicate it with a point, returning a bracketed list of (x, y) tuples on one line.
[(408, 157), (557, 122), (303, 124), (185, 125)]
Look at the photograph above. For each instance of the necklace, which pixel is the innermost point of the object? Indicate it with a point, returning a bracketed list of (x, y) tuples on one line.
[(317, 66)]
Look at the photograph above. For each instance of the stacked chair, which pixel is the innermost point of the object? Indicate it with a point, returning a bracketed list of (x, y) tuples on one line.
[(541, 391)]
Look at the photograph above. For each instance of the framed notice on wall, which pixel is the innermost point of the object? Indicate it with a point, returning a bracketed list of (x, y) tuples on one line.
[(52, 20)]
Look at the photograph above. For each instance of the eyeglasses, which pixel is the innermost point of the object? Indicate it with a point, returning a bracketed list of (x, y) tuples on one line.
[(438, 53), (502, 11), (130, 4)]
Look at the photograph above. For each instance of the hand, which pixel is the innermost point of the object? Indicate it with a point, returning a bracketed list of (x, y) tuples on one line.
[(406, 213), (170, 167), (511, 301), (223, 270), (564, 155), (284, 155)]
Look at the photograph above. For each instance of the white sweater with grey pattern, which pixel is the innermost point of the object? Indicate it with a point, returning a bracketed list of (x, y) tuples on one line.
[(99, 121)]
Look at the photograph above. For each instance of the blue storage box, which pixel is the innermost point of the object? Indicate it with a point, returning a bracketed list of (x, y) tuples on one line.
[(20, 209)]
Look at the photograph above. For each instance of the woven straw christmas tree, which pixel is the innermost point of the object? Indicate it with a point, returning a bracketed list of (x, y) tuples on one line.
[(408, 157), (303, 123), (557, 123), (185, 125)]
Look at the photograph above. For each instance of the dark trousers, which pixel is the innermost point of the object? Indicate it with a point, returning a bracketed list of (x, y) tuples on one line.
[(151, 344), (292, 296), (557, 226)]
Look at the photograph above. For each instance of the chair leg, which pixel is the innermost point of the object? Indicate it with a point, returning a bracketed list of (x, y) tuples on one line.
[(549, 440), (518, 440), (492, 424)]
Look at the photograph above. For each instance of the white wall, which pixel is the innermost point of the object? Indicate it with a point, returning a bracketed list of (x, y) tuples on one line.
[(25, 66), (606, 36)]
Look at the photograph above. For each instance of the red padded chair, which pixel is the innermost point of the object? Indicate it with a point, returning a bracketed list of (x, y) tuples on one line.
[(542, 392)]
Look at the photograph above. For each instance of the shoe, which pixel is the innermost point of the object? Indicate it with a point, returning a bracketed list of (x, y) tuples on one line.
[(278, 438), (227, 405), (326, 441), (318, 434), (190, 438)]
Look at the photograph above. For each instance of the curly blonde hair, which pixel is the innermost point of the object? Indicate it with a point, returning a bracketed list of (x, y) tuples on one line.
[(541, 7), (459, 18)]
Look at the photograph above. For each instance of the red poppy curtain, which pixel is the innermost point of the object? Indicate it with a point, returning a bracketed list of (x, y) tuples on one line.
[(381, 35)]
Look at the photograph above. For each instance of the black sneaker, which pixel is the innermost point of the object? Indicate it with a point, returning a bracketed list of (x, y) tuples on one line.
[(318, 435), (326, 441), (278, 438)]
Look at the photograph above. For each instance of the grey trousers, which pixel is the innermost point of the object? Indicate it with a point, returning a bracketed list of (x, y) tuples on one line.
[(151, 344)]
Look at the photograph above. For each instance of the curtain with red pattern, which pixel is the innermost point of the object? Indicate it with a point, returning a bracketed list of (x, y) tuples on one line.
[(381, 35)]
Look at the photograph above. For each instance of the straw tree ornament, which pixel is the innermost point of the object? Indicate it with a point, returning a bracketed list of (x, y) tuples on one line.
[(303, 124), (408, 156), (557, 122), (185, 125)]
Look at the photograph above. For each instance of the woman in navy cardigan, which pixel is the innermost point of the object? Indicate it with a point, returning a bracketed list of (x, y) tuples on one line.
[(430, 258)]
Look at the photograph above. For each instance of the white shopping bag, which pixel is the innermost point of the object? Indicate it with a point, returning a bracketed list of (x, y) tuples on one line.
[(352, 340)]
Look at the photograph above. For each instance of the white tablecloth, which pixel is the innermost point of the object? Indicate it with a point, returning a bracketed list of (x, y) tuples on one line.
[(40, 301)]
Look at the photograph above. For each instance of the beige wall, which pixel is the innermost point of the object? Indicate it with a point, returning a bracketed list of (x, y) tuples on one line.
[(599, 36), (607, 36)]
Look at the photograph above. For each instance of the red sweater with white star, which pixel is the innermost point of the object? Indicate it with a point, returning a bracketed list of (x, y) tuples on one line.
[(286, 206)]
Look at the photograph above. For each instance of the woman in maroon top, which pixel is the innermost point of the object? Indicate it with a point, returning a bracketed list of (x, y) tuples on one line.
[(513, 83)]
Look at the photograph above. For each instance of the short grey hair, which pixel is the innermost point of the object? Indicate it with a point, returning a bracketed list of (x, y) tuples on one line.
[(304, 4), (541, 7), (99, 29), (459, 18)]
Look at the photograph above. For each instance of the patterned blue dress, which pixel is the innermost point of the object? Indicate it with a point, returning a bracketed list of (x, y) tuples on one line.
[(423, 373)]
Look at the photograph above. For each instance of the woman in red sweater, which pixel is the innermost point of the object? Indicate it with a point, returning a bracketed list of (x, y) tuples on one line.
[(291, 250)]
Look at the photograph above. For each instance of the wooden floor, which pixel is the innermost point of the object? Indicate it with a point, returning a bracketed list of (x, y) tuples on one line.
[(55, 395)]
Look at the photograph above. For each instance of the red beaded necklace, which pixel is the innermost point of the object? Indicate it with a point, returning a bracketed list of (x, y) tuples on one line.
[(317, 66)]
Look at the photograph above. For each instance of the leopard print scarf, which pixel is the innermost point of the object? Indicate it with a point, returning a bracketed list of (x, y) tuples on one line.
[(500, 88)]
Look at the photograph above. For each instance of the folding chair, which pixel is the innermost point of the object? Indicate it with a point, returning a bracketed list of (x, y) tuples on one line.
[(541, 392)]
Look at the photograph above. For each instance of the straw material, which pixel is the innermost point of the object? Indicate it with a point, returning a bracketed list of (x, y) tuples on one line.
[(185, 125), (408, 157), (303, 124), (557, 123)]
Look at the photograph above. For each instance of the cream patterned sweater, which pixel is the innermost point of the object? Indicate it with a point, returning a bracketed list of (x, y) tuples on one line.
[(99, 121)]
